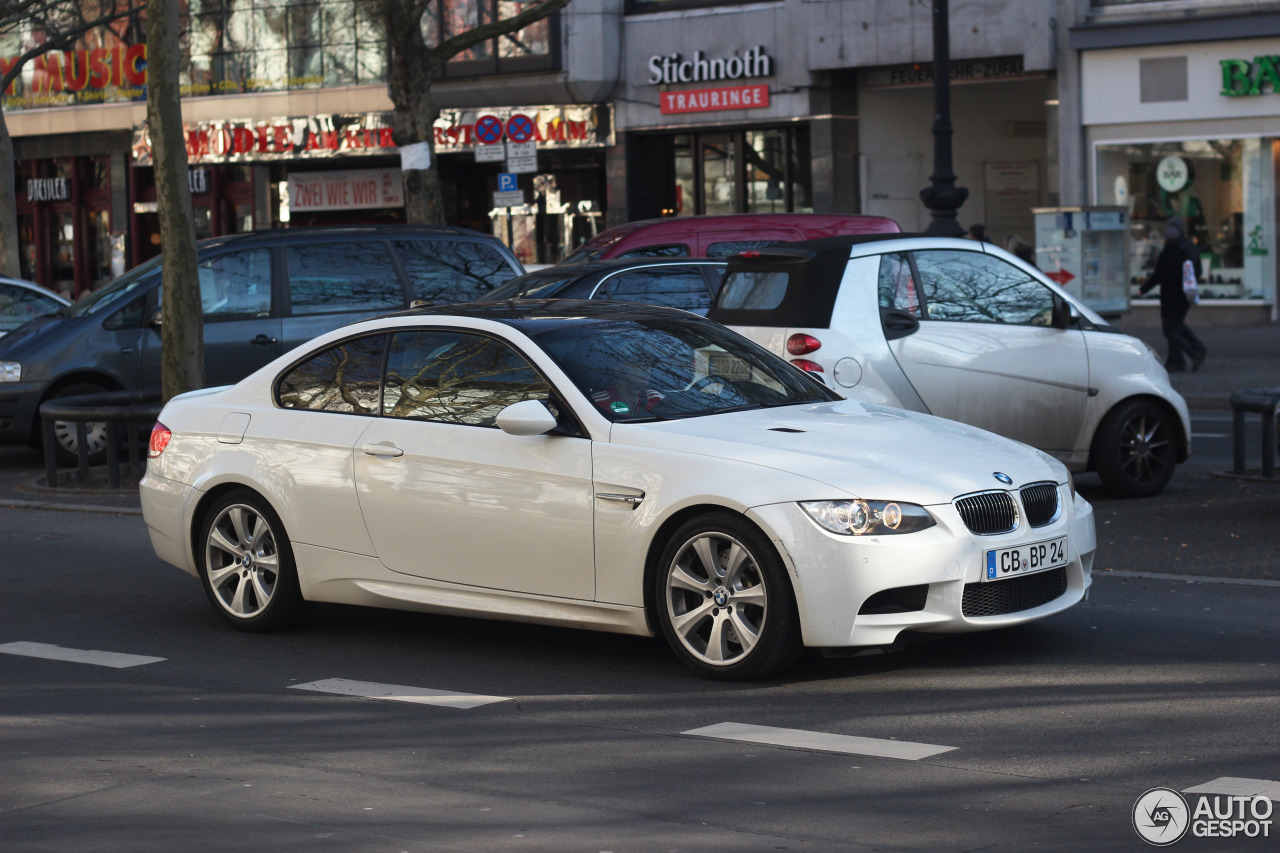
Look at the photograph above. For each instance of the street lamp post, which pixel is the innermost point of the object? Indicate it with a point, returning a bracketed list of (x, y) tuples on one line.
[(943, 198)]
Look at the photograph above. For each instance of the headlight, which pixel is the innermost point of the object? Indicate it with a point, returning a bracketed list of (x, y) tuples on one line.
[(868, 518), (10, 371)]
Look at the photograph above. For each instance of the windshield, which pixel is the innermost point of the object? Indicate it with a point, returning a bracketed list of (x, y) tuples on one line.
[(662, 368), (130, 282), (529, 287), (584, 254)]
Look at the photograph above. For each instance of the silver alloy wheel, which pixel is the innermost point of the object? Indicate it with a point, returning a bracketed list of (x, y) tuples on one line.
[(241, 561), (95, 436), (1146, 448), (716, 598)]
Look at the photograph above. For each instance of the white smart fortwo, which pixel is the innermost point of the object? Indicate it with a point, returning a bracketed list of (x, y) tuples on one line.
[(608, 466)]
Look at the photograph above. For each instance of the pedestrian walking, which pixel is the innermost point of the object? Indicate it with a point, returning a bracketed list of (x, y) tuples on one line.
[(978, 231), (1168, 276)]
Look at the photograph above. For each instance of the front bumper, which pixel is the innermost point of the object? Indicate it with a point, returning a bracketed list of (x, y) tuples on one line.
[(19, 402), (835, 576)]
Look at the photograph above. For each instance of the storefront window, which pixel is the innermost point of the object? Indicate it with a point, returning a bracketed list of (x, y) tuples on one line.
[(98, 241), (719, 181), (686, 197), (532, 49), (62, 277), (1224, 190)]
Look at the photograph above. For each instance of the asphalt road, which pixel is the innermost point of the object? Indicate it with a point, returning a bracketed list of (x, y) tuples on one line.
[(1051, 731)]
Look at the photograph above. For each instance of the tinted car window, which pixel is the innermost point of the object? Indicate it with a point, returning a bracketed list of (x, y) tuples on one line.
[(973, 287), (139, 276), (236, 285), (129, 316), (456, 378), (326, 277), (676, 251), (671, 286), (19, 304), (444, 271), (530, 287), (733, 247), (343, 378), (753, 291), (897, 285)]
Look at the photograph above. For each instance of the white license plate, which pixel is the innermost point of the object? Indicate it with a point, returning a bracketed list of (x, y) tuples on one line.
[(1026, 559)]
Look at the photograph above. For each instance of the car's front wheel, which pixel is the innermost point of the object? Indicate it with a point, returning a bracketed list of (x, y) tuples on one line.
[(1136, 449), (246, 565), (724, 601)]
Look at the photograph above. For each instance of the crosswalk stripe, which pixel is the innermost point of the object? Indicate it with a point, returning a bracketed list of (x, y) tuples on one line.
[(1234, 786), (115, 660), (399, 693), (850, 744)]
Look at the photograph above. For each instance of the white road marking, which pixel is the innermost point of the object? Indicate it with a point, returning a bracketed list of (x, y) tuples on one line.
[(1234, 786), (1169, 576), (115, 660), (399, 693), (850, 744)]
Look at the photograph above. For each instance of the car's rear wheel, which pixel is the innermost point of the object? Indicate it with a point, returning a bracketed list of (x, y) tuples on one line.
[(247, 566), (724, 601), (1136, 449)]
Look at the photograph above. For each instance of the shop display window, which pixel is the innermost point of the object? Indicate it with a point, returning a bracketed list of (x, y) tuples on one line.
[(1224, 189), (534, 48)]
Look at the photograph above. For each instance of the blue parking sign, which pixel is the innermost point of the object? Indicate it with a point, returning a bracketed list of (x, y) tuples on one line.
[(507, 182)]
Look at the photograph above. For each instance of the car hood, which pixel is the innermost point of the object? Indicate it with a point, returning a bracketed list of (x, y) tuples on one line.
[(15, 343), (865, 450)]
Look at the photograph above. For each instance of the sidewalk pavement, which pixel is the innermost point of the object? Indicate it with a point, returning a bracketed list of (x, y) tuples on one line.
[(1239, 357)]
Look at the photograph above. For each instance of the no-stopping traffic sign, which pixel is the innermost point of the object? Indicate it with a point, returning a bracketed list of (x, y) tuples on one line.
[(519, 128), (488, 129)]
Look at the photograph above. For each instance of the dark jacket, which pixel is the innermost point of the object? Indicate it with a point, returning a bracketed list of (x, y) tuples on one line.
[(1168, 276)]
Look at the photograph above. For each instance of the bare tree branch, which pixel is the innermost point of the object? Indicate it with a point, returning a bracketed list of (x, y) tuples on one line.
[(454, 45)]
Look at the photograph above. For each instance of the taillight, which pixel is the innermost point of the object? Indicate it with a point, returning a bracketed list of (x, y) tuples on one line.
[(806, 364), (802, 344), (160, 436), (751, 253)]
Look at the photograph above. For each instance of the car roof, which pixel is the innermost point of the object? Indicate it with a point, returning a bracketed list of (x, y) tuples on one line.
[(329, 232), (588, 268), (31, 285), (538, 315), (682, 225)]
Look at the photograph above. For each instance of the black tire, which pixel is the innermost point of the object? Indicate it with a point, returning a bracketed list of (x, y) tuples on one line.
[(246, 565), (709, 613), (1136, 449), (65, 431)]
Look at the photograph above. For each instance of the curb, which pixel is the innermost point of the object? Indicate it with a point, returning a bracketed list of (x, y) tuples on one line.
[(70, 507)]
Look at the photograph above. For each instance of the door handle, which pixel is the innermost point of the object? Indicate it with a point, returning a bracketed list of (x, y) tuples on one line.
[(381, 450), (264, 340)]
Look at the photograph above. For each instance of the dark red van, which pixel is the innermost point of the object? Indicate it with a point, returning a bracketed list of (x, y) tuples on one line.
[(721, 236)]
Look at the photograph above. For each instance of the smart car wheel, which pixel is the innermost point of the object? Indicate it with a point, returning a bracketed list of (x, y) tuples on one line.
[(1136, 449), (247, 565), (724, 600)]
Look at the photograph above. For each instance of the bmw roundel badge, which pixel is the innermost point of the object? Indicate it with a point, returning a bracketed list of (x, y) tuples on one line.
[(1004, 478)]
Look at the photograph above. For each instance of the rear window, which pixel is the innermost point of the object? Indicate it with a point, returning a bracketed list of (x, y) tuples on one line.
[(753, 291), (678, 250), (733, 247), (530, 287), (445, 271)]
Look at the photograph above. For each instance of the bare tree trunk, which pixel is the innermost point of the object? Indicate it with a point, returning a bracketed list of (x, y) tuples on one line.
[(409, 81), (10, 259), (182, 323)]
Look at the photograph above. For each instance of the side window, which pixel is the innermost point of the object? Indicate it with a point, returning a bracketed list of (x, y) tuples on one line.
[(897, 285), (677, 251), (328, 277), (753, 291), (456, 378), (236, 286), (733, 247), (973, 287), (130, 316), (444, 271), (671, 286), (343, 378)]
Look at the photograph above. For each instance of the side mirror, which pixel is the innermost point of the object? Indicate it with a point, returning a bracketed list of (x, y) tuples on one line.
[(528, 417), (1063, 314), (157, 318)]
